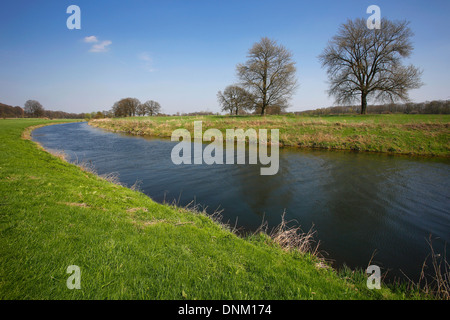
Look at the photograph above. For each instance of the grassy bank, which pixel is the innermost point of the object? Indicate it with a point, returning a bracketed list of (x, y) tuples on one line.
[(53, 214), (392, 133)]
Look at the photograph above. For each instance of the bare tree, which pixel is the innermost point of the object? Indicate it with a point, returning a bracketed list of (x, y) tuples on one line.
[(366, 64), (117, 111), (141, 109), (269, 74), (152, 107), (126, 107), (34, 109), (235, 99)]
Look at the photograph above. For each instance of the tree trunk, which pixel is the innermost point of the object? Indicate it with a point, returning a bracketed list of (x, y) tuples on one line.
[(264, 102), (363, 103)]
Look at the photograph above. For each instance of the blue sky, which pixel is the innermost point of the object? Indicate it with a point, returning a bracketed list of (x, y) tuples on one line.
[(181, 52)]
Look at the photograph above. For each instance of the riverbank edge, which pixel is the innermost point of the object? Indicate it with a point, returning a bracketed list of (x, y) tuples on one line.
[(26, 135), (338, 145)]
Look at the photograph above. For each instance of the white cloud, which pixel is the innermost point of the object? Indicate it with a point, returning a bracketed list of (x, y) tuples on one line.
[(97, 45), (101, 47), (90, 39)]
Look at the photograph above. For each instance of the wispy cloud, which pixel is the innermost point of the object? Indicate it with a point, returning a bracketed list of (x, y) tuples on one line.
[(101, 47), (98, 46), (148, 62), (90, 39)]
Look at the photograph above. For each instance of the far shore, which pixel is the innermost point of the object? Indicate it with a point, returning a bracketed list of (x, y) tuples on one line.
[(423, 135)]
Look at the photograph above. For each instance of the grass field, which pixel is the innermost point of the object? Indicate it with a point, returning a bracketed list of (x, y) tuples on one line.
[(393, 133), (53, 214)]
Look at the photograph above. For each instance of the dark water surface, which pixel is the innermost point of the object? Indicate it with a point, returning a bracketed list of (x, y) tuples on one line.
[(358, 202)]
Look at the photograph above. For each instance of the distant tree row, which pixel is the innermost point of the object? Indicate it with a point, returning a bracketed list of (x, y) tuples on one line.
[(197, 113), (429, 107), (7, 111), (123, 108), (64, 115), (33, 109), (130, 107)]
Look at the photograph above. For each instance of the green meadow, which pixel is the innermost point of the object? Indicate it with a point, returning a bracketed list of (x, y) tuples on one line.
[(53, 214)]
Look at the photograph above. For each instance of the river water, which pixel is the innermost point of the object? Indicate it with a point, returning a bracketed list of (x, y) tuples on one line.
[(358, 203)]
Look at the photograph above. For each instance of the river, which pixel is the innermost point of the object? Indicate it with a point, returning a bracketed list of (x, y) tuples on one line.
[(358, 203)]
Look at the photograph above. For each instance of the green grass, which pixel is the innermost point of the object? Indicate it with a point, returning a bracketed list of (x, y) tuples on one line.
[(53, 214), (391, 133)]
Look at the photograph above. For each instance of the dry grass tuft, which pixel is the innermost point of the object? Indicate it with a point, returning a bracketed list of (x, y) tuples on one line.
[(293, 238), (137, 186), (439, 285), (60, 154), (112, 177), (436, 282)]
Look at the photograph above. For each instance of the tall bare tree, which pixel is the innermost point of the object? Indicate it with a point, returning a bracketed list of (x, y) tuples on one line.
[(33, 108), (235, 99), (269, 74), (366, 64), (152, 107)]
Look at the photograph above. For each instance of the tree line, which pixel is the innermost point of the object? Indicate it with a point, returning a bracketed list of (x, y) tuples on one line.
[(33, 109), (7, 111), (123, 108), (428, 107)]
